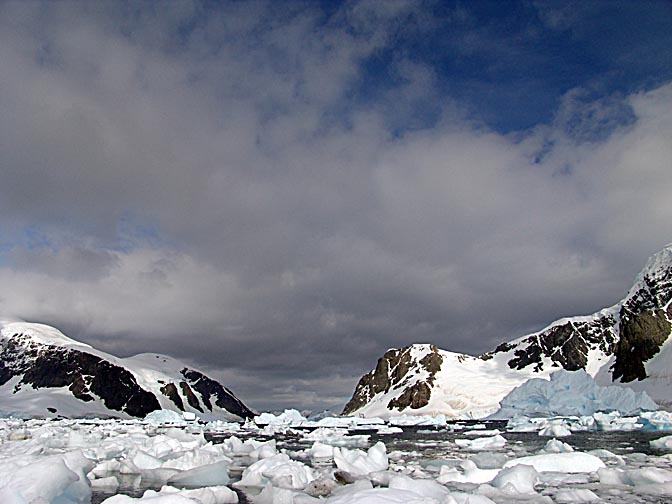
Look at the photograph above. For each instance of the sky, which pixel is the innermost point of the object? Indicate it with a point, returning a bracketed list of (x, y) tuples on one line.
[(278, 192)]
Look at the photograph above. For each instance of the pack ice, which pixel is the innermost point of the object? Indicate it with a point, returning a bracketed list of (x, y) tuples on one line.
[(167, 460)]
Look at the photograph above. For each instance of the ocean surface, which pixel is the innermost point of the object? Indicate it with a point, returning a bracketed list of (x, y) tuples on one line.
[(422, 451)]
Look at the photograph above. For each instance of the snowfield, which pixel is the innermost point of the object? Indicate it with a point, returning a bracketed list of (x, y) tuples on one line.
[(287, 459)]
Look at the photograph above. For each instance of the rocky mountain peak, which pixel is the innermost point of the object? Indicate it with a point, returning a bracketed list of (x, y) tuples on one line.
[(396, 369), (620, 344), (45, 373)]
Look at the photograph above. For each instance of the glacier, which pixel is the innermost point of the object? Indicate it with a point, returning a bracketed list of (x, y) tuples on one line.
[(569, 393)]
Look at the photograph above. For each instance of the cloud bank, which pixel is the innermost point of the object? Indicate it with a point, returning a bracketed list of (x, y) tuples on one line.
[(234, 186)]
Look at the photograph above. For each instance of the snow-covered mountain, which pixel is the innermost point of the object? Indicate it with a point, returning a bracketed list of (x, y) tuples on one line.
[(44, 373), (627, 344)]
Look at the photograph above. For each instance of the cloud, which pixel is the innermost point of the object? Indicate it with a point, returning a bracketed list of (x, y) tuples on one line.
[(221, 185)]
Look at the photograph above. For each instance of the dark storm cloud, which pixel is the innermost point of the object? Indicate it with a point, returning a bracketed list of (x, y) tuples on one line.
[(232, 185)]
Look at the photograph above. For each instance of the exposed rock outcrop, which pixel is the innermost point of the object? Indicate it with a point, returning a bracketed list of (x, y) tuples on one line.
[(392, 372)]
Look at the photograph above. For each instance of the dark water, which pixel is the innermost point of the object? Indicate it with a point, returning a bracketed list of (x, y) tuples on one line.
[(422, 445)]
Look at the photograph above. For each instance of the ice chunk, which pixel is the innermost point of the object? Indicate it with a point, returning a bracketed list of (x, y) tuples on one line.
[(321, 450), (215, 474), (575, 495), (288, 417), (336, 437), (517, 479), (279, 470), (523, 423), (45, 480), (170, 495), (423, 488), (556, 428), (109, 484), (264, 450), (556, 446), (573, 462), (489, 460), (383, 496), (649, 475), (658, 420), (617, 477), (357, 462), (484, 443), (418, 420), (208, 495), (663, 443), (165, 417), (469, 473), (481, 432), (274, 495), (141, 460)]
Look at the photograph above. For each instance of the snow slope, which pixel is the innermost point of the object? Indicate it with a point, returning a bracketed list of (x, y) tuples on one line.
[(627, 344), (45, 373)]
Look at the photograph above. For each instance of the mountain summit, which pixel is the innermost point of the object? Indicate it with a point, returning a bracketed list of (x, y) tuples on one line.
[(627, 344), (44, 373)]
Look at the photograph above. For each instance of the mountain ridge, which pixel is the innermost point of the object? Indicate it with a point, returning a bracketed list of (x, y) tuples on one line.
[(625, 344), (45, 373)]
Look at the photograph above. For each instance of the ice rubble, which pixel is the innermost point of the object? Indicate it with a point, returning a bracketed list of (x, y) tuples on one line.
[(60, 462), (571, 393)]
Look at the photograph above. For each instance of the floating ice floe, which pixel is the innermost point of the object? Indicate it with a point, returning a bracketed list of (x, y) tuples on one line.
[(359, 463), (288, 417), (466, 472), (568, 462), (556, 428), (519, 479), (664, 443), (566, 425), (656, 420), (280, 471), (482, 443), (171, 495), (418, 420), (577, 495), (556, 446), (165, 417), (56, 478)]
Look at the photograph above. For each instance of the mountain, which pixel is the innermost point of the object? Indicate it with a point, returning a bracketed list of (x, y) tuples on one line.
[(627, 344), (44, 373)]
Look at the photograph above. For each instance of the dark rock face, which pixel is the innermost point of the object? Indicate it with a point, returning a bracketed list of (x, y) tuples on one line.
[(191, 397), (85, 375), (642, 335), (224, 398), (414, 397), (566, 345), (654, 293), (635, 339), (170, 391), (393, 370)]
